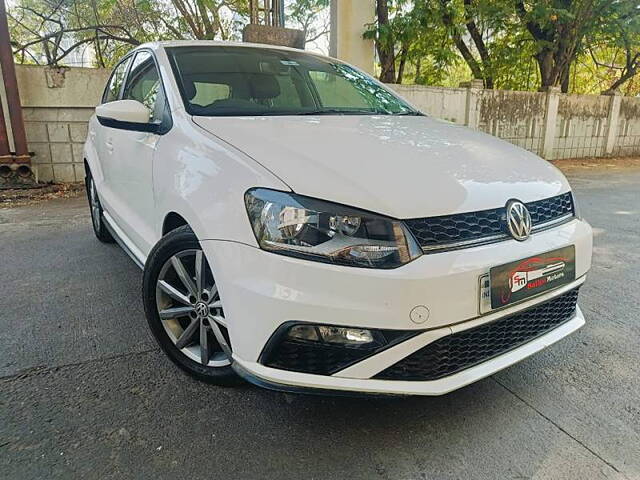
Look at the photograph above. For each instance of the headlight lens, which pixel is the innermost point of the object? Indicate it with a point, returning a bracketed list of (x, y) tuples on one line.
[(576, 210), (304, 227)]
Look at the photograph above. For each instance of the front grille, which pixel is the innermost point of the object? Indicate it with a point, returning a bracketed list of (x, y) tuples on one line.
[(435, 233), (459, 351)]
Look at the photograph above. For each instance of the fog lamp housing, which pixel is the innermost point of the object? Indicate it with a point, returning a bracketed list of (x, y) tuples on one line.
[(341, 336), (326, 349)]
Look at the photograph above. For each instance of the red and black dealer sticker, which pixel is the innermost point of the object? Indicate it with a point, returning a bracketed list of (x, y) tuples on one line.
[(516, 281)]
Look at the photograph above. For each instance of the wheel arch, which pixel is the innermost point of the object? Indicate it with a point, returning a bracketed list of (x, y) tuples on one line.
[(173, 220)]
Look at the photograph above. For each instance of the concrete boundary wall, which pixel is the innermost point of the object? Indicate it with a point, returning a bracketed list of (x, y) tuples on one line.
[(550, 124), (58, 103)]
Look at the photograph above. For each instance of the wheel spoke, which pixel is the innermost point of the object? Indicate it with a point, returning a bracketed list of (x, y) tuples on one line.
[(193, 298), (173, 293), (204, 343), (219, 336), (200, 271), (219, 319), (186, 336), (213, 292), (175, 312), (184, 276)]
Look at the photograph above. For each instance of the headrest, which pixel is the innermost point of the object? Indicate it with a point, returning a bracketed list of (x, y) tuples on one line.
[(263, 86), (189, 88)]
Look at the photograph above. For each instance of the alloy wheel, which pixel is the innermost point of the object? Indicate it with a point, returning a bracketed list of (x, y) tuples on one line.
[(95, 205), (190, 309)]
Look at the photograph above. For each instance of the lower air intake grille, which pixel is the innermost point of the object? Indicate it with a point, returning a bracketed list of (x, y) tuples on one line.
[(459, 351)]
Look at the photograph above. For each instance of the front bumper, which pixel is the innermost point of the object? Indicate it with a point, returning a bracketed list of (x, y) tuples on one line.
[(261, 291)]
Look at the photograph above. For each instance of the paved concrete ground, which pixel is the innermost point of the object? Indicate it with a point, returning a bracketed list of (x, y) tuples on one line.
[(85, 393)]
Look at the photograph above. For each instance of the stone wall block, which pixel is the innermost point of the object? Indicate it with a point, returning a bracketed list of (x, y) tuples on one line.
[(78, 132), (36, 132), (64, 173), (44, 173), (61, 153), (58, 132), (41, 151)]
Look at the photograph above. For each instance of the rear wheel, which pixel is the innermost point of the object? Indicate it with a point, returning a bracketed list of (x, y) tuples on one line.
[(97, 220), (184, 308)]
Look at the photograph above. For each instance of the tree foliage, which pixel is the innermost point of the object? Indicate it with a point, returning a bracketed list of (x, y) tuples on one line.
[(517, 44), (587, 46)]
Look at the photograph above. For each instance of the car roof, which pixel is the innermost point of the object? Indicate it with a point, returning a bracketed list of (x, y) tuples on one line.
[(218, 43)]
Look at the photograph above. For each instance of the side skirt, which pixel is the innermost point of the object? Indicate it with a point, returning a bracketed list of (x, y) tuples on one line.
[(125, 243)]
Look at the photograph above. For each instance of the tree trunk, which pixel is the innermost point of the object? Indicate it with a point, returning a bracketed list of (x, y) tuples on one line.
[(545, 65), (468, 57), (403, 60), (564, 82), (386, 52), (476, 36)]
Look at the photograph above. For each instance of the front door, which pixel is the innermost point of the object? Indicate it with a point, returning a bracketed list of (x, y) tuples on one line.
[(102, 138), (133, 153)]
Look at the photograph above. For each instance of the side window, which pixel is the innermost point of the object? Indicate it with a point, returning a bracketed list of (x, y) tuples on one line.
[(115, 82), (143, 85)]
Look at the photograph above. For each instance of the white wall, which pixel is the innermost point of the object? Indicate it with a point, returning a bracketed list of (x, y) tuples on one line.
[(58, 103), (551, 124)]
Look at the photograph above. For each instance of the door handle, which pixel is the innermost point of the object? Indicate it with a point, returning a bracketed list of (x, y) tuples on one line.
[(109, 146)]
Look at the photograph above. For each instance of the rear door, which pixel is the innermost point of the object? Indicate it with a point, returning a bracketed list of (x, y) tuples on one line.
[(131, 165)]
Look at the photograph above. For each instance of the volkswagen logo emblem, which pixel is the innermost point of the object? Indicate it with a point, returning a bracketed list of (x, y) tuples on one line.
[(518, 220), (202, 310)]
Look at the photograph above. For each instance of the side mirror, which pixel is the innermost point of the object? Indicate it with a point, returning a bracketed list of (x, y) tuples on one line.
[(125, 115)]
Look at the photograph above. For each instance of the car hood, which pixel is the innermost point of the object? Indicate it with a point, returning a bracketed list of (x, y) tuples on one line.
[(401, 166)]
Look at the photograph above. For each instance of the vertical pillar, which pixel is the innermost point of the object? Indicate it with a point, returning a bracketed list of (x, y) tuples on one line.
[(5, 152), (612, 121), (348, 23), (550, 119), (472, 108), (11, 88)]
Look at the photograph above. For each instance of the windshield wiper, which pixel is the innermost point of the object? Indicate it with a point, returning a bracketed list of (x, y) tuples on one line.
[(335, 111), (338, 111)]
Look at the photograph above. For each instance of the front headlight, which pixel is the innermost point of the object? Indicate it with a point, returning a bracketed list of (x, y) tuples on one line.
[(576, 210), (304, 227)]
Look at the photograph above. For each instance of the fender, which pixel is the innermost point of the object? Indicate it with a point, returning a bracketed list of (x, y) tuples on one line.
[(205, 183)]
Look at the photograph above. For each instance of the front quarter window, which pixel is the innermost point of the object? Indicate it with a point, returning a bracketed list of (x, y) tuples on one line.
[(112, 92), (144, 86)]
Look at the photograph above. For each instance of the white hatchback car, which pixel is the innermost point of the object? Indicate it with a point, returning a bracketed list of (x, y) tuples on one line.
[(301, 226)]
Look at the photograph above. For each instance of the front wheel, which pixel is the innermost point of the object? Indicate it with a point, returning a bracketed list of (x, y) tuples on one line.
[(97, 220), (184, 309)]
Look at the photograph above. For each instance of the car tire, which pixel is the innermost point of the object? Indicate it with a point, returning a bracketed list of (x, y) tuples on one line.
[(176, 289), (97, 219)]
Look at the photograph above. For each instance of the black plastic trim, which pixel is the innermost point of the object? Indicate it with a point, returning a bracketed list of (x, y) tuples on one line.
[(391, 337)]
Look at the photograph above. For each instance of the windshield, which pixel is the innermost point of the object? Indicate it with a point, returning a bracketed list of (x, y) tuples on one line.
[(246, 81)]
